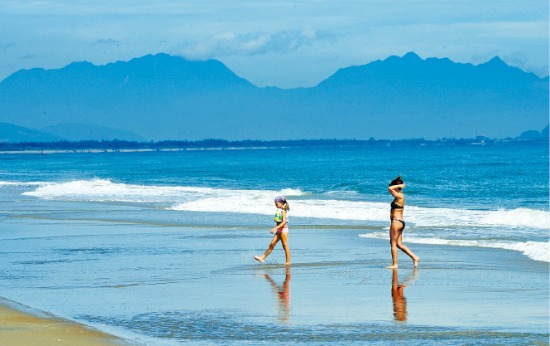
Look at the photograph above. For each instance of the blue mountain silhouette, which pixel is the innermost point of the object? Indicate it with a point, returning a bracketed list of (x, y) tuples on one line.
[(10, 133), (167, 97)]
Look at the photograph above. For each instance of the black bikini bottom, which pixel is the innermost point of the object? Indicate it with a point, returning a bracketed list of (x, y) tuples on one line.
[(403, 222)]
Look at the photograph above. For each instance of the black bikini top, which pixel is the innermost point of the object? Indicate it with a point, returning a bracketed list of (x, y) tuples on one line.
[(394, 205)]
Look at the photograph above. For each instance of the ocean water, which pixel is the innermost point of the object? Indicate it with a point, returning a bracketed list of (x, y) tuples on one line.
[(460, 196), (164, 239)]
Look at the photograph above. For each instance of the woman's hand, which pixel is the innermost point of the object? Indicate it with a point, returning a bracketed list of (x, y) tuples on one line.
[(396, 190)]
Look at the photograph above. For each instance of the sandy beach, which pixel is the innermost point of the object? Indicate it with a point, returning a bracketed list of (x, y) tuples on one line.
[(41, 329)]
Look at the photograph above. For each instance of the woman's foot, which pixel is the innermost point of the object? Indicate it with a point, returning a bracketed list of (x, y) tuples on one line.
[(415, 261), (393, 266), (259, 259)]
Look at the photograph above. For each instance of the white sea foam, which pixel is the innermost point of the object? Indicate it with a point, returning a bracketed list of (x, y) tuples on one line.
[(103, 190), (538, 251), (315, 208), (521, 217), (378, 212), (204, 199), (518, 217)]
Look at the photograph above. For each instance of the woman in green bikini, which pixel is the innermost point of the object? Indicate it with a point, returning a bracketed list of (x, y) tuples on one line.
[(398, 223), (280, 231)]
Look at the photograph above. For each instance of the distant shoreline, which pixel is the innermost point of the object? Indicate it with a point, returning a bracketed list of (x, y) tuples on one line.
[(118, 146), (109, 146)]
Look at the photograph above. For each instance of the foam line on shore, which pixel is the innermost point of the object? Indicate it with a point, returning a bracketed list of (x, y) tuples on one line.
[(538, 251)]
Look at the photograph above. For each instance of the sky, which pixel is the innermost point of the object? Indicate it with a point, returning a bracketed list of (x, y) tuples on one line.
[(279, 43)]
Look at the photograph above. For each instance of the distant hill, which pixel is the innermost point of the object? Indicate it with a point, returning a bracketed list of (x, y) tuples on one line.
[(10, 133), (75, 132), (531, 135), (161, 97)]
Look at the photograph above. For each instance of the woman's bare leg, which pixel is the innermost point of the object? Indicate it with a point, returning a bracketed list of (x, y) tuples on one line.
[(270, 248), (405, 249), (394, 236), (284, 241)]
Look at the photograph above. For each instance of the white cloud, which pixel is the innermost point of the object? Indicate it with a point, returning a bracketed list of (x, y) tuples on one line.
[(230, 43), (106, 42)]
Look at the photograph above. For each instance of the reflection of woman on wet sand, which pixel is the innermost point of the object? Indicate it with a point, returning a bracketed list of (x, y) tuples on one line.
[(283, 295), (398, 223), (398, 296)]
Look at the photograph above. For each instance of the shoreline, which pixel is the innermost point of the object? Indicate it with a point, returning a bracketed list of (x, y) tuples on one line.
[(21, 325), (125, 150), (122, 146)]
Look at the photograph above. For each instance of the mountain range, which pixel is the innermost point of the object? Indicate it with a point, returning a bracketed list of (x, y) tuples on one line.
[(160, 97)]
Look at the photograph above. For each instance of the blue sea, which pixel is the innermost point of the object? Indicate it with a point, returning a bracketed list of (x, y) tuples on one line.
[(157, 246)]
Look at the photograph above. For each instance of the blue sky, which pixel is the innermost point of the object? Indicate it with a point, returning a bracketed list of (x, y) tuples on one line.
[(273, 43)]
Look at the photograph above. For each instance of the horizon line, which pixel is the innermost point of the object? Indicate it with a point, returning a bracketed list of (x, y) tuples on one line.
[(272, 141)]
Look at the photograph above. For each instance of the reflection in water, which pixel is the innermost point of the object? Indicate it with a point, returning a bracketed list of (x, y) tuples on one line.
[(282, 295), (398, 294)]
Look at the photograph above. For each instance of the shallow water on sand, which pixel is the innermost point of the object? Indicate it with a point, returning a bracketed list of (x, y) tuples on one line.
[(172, 285)]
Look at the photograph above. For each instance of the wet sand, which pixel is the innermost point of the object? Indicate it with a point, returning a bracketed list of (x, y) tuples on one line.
[(198, 285), (23, 328)]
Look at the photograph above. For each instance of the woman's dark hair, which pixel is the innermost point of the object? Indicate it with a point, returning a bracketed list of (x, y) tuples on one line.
[(396, 181), (282, 200)]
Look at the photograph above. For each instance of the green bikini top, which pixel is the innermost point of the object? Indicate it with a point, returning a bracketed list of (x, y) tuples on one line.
[(278, 215)]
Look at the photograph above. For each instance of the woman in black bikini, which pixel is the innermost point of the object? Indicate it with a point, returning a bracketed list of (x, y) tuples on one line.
[(397, 223)]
